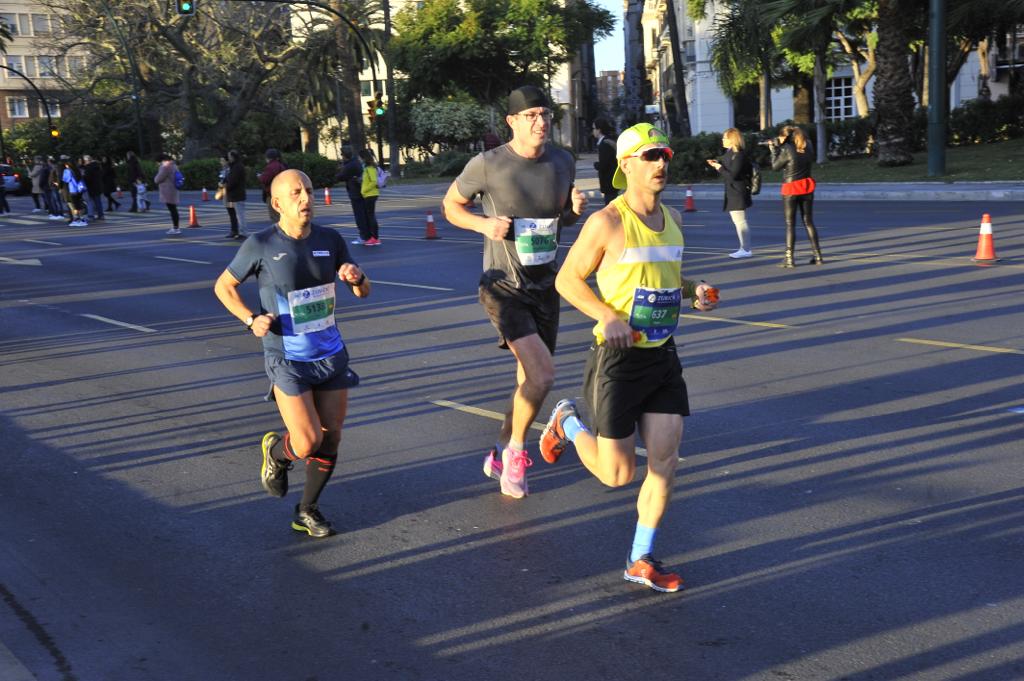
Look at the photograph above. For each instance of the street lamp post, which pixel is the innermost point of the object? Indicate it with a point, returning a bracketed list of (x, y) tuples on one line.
[(937, 90)]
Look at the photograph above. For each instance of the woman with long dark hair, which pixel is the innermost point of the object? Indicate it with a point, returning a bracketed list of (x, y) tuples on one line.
[(793, 154)]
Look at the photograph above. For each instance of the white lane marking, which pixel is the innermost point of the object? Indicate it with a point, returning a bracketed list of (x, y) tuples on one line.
[(126, 325), (11, 261), (395, 283), (40, 241), (167, 257), (487, 413), (11, 667)]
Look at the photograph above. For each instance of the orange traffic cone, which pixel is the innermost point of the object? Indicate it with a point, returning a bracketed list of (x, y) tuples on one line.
[(986, 253), (327, 196), (206, 197), (192, 221), (690, 206), (431, 229)]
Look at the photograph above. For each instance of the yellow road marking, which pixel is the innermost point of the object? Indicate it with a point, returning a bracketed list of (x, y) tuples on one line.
[(961, 346), (767, 325)]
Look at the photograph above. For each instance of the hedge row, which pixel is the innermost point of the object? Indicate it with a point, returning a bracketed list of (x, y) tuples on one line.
[(976, 122)]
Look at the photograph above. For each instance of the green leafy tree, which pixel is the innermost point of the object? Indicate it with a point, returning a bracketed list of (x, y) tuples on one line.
[(488, 47), (199, 74), (450, 123), (743, 52), (808, 26)]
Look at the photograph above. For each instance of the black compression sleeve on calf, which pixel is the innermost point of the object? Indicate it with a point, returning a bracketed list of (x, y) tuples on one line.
[(319, 467)]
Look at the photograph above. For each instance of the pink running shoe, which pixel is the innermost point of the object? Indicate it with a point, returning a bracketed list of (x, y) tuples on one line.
[(492, 464), (513, 473)]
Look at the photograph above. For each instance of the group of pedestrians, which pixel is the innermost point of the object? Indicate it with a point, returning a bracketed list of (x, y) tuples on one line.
[(74, 189), (526, 191)]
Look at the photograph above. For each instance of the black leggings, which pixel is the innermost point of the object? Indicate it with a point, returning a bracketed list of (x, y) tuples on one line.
[(805, 203), (173, 208), (372, 228)]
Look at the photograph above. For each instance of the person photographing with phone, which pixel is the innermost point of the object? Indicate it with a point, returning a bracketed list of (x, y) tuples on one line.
[(737, 171), (793, 154), (633, 378)]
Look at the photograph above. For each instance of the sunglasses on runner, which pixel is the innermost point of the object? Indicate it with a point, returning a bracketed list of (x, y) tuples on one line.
[(655, 154)]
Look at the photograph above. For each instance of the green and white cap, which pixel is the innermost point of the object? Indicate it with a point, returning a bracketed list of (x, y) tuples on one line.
[(640, 137)]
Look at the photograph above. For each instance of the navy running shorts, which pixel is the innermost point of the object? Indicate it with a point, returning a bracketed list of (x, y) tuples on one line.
[(295, 378)]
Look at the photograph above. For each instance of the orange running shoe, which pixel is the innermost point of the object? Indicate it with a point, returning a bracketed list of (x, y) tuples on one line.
[(553, 440), (649, 572)]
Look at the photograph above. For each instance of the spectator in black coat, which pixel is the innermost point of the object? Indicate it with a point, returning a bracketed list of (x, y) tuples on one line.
[(351, 174), (110, 182), (134, 172), (737, 172), (92, 175), (604, 133)]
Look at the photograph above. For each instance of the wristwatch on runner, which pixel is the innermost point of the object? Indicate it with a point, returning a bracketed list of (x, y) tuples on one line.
[(249, 320)]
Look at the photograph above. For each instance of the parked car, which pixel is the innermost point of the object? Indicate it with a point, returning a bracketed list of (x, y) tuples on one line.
[(11, 179)]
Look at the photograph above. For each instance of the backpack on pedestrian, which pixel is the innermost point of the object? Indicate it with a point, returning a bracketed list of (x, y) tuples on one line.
[(179, 180)]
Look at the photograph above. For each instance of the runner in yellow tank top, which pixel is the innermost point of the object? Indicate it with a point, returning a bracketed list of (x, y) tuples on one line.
[(643, 284), (633, 375)]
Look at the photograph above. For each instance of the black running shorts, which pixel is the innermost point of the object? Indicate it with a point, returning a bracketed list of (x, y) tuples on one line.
[(622, 385), (518, 313)]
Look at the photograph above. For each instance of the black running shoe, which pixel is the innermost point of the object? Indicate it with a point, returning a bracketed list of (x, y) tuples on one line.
[(312, 522), (273, 473)]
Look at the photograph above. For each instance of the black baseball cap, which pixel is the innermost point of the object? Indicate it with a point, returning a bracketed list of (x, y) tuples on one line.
[(526, 97)]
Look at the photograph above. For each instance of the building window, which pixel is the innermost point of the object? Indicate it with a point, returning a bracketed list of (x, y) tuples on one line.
[(47, 67), (839, 99), (17, 107), (76, 65), (54, 109), (30, 67), (41, 24), (364, 88), (14, 62), (11, 22)]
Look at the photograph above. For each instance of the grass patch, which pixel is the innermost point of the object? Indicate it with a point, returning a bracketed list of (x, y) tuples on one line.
[(974, 163)]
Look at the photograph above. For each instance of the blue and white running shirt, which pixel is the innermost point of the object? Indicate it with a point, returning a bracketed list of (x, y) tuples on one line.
[(297, 285)]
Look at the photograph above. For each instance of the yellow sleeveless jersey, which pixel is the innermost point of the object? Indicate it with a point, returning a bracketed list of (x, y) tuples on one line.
[(644, 285)]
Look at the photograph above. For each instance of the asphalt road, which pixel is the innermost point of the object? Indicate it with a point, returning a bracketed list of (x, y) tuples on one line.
[(850, 502)]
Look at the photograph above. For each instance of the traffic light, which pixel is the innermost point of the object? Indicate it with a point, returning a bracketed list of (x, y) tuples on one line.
[(54, 132), (378, 106), (187, 7)]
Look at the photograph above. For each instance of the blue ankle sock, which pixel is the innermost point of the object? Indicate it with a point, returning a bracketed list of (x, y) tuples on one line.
[(572, 427), (643, 542)]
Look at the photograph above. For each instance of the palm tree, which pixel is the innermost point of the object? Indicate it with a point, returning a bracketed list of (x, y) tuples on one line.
[(894, 104), (743, 52), (808, 27)]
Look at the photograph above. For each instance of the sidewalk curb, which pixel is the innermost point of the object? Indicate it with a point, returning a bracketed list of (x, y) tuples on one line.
[(825, 193)]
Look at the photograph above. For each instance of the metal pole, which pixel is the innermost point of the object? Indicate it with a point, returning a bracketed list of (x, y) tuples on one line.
[(937, 90), (390, 76)]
